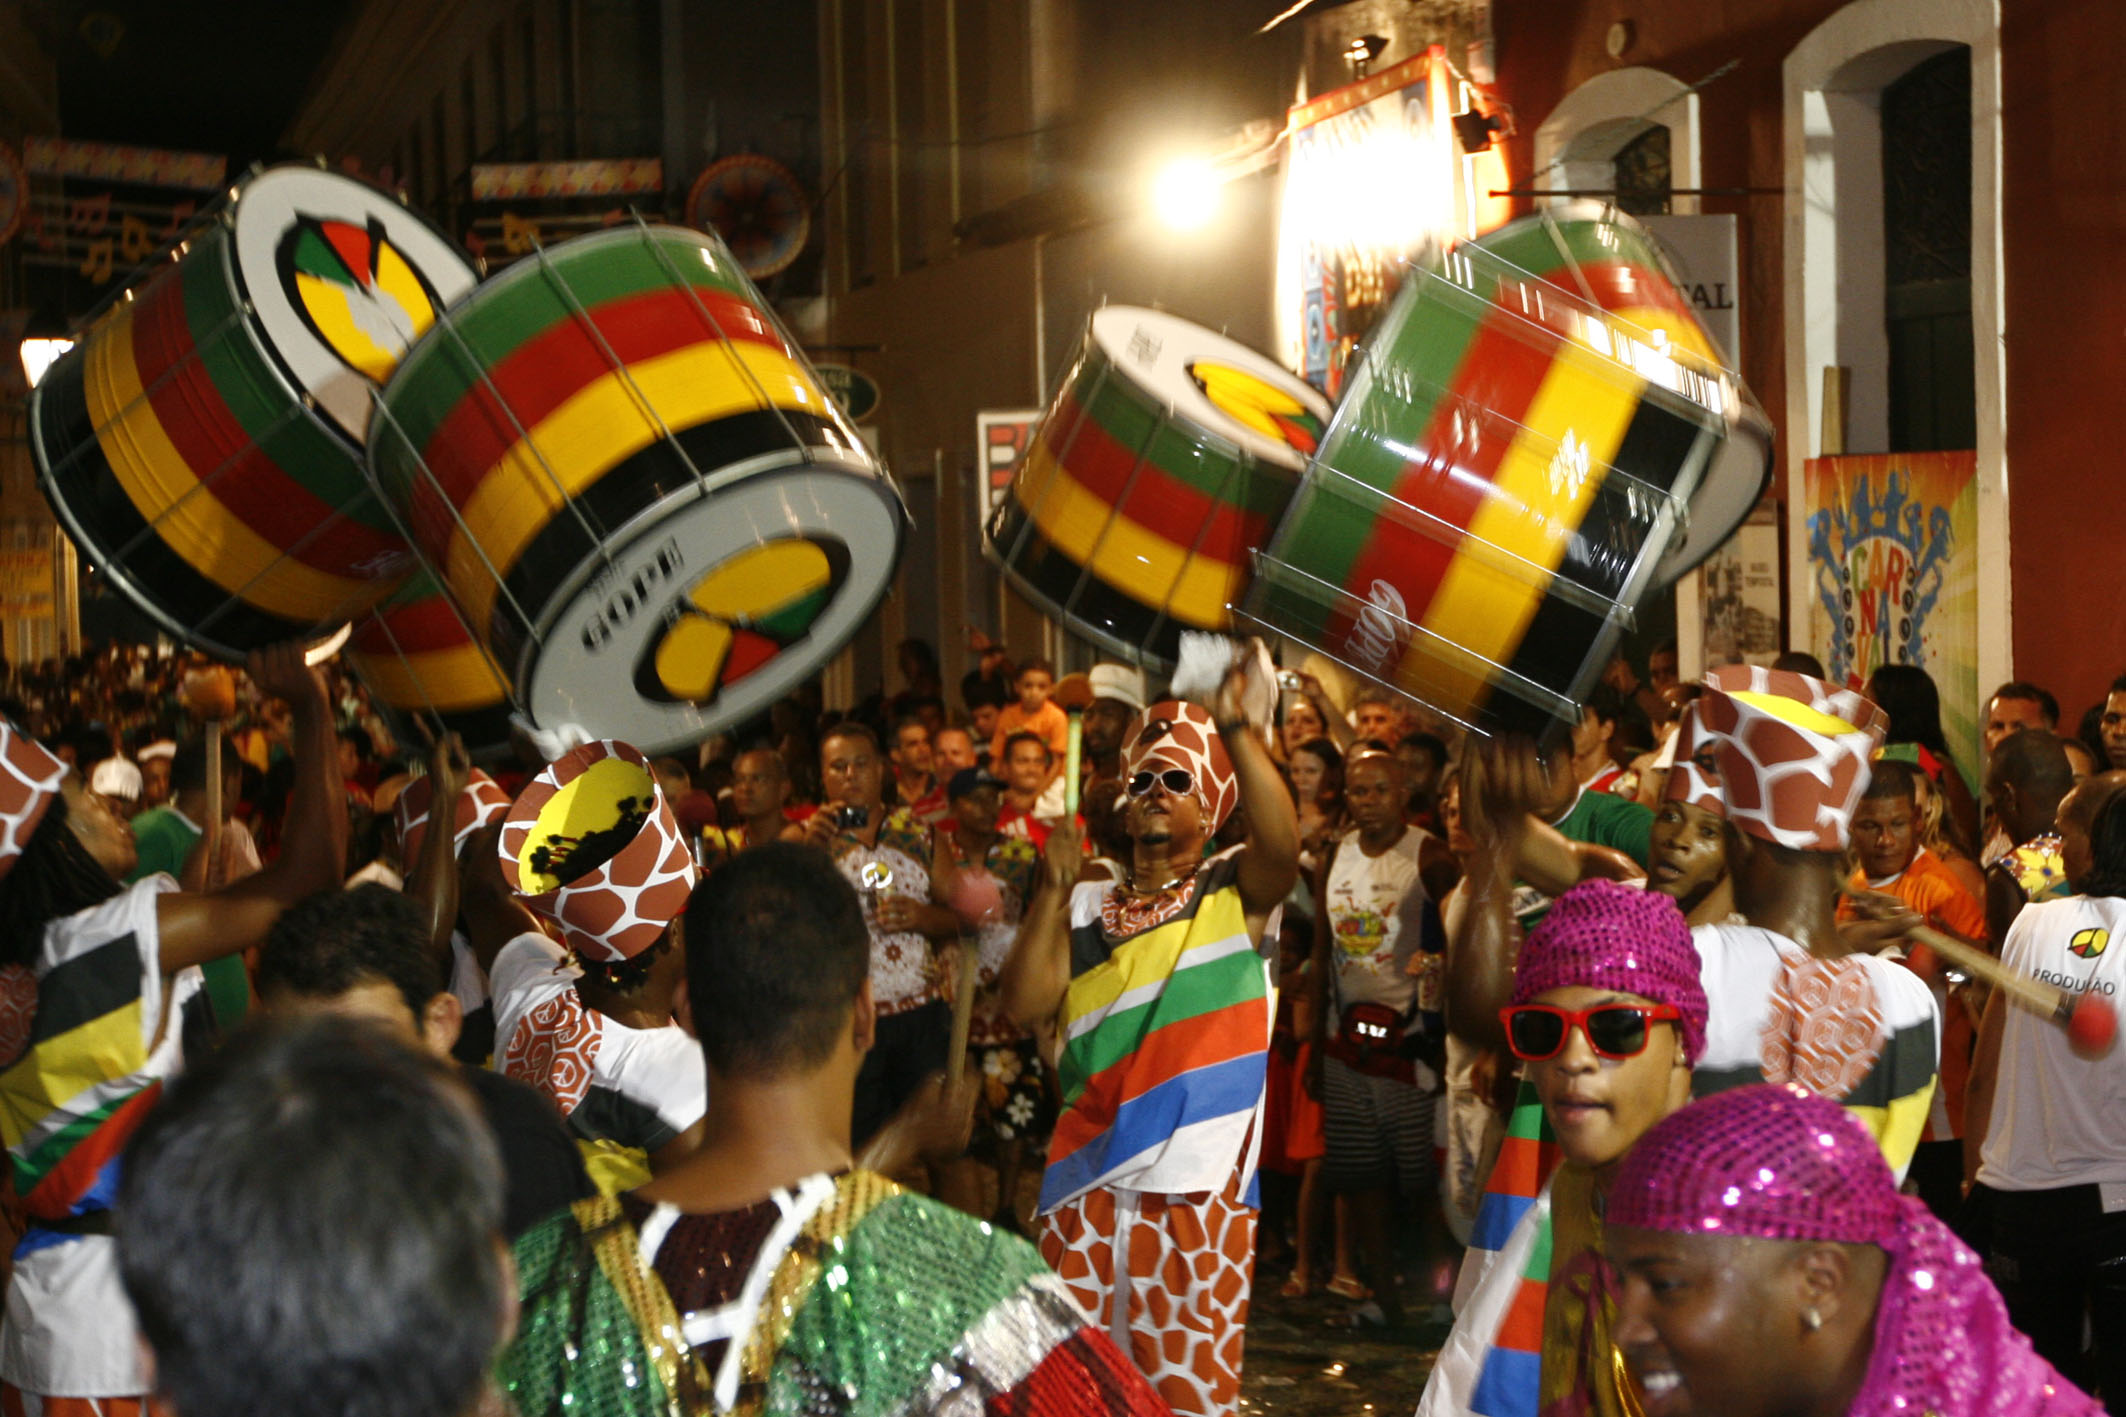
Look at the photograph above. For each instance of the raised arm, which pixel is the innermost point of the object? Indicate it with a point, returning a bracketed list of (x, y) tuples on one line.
[(1269, 864), (1036, 973), (432, 881), (1340, 731), (1498, 781), (195, 928)]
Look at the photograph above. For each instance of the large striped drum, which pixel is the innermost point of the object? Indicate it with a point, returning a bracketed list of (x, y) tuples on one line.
[(417, 657), (630, 483), (1164, 460), (1537, 435), (202, 444)]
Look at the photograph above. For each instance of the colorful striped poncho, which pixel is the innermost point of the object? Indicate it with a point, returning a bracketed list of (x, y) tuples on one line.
[(1166, 1039)]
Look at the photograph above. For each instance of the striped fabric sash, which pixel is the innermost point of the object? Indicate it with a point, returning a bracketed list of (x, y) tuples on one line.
[(1165, 1052)]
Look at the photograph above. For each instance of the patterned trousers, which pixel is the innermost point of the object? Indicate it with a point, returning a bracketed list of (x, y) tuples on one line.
[(1167, 1278)]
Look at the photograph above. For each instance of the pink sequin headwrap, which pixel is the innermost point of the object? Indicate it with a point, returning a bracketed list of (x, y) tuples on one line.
[(1793, 753), (1178, 734), (1603, 935), (29, 780), (1694, 776), (1780, 1163), (481, 803)]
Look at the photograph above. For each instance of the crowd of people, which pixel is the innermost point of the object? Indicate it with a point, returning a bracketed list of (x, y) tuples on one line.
[(870, 1058)]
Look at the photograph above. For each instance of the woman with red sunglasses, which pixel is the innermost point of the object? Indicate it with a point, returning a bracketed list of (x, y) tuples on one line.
[(1608, 1015)]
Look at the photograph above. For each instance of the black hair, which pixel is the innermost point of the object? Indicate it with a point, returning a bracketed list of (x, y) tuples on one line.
[(849, 728), (908, 720), (625, 976), (2035, 762), (1907, 694), (354, 1197), (54, 877), (1605, 703), (1889, 779), (2047, 706), (1027, 736), (1800, 661), (1029, 665), (776, 953), (188, 766), (337, 940), (1331, 792), (2118, 686), (2107, 849), (1430, 743)]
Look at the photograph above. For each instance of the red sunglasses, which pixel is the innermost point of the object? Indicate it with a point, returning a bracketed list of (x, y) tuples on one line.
[(1537, 1032)]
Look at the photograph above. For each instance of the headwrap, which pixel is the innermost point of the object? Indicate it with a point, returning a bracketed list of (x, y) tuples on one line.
[(1781, 1163), (1119, 682), (1176, 733), (29, 780), (1604, 935), (482, 801), (1792, 753), (583, 805), (1694, 769)]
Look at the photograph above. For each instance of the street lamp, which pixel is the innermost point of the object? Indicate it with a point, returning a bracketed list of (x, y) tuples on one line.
[(39, 355), (1187, 193)]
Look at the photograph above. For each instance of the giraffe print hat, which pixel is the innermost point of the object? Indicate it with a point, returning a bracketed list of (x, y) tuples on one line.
[(482, 801), (1792, 753), (29, 780), (1694, 769), (1179, 734), (592, 845)]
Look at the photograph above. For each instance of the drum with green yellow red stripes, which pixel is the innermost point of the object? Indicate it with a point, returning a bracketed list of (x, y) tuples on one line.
[(633, 489), (1537, 435), (202, 442), (419, 659), (1164, 460)]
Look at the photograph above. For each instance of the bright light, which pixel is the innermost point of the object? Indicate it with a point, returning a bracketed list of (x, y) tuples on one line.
[(39, 355), (1188, 193)]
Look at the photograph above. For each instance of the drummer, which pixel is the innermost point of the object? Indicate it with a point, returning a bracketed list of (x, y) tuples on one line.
[(102, 982)]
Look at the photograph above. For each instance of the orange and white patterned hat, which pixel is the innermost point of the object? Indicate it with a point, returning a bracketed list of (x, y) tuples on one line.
[(1694, 766), (600, 804), (29, 780), (482, 801), (1792, 753), (1180, 734)]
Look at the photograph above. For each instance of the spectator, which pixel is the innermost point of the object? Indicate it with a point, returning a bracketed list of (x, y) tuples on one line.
[(1118, 696), (1375, 716), (1316, 772), (356, 1203), (1907, 694), (2111, 726), (891, 859), (1033, 713), (363, 953), (2015, 706), (1028, 766), (168, 834), (952, 752), (118, 781), (916, 784), (2027, 779), (760, 793)]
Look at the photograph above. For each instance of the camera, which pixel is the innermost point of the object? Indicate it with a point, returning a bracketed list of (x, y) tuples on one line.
[(1286, 679), (851, 819)]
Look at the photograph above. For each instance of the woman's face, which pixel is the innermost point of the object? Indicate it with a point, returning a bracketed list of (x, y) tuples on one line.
[(1450, 816), (1301, 724), (1307, 772), (1599, 1106)]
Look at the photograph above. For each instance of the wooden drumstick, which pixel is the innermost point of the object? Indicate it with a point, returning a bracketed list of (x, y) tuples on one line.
[(962, 1009), (1075, 693), (209, 693), (974, 898), (2092, 1024)]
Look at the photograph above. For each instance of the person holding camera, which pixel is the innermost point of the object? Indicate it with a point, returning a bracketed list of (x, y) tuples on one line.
[(891, 859), (1377, 1094)]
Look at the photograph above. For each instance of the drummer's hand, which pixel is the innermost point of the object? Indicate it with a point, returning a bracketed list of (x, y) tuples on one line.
[(279, 670), (1064, 856), (1229, 704), (448, 768), (1503, 783)]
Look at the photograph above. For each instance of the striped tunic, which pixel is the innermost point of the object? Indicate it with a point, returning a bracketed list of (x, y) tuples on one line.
[(1165, 1045)]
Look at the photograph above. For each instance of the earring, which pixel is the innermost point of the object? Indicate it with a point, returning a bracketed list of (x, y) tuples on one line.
[(1811, 1319)]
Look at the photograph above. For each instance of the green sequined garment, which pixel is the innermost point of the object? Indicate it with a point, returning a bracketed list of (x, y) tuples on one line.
[(885, 1302)]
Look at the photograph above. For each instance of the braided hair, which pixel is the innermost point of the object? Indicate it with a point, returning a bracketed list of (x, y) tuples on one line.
[(624, 976), (54, 877)]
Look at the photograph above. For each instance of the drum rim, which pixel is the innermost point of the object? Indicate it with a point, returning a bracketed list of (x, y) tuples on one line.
[(872, 476), (249, 302), (1048, 604), (1271, 452)]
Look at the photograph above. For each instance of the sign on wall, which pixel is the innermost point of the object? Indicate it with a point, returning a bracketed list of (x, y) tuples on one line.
[(1893, 560), (1738, 595), (1369, 179), (1002, 436), (1703, 249)]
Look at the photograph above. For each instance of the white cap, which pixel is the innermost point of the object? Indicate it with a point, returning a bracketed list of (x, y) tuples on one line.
[(1118, 682), (116, 777), (160, 748)]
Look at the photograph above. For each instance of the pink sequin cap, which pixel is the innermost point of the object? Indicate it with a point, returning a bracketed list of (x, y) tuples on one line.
[(1780, 1163), (1603, 935)]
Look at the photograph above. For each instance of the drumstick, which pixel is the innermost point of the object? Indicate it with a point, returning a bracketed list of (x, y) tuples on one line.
[(212, 827), (1075, 693), (2092, 1024), (974, 898), (962, 1009)]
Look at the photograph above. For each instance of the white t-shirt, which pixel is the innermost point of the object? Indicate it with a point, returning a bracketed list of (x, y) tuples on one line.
[(2059, 1120), (1376, 907), (639, 1087), (70, 1330), (1859, 1029)]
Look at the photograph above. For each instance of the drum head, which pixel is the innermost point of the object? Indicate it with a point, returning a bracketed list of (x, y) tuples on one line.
[(717, 606), (1221, 386), (343, 280)]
